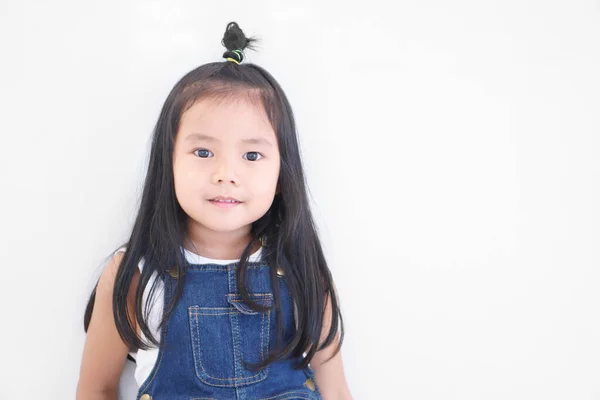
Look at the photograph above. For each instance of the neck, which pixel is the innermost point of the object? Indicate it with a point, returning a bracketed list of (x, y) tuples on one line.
[(217, 245)]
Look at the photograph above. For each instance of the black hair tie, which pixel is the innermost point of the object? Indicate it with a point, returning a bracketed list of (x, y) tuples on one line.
[(235, 56)]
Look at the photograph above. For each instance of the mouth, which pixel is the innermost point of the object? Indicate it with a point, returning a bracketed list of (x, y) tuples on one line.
[(225, 202)]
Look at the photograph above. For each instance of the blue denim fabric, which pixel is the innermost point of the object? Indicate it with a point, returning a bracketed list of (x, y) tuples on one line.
[(211, 331)]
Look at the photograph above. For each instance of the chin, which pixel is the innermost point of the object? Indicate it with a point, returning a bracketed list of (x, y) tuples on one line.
[(222, 226)]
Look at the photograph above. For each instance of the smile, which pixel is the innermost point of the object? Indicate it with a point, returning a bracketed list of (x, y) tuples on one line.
[(225, 202)]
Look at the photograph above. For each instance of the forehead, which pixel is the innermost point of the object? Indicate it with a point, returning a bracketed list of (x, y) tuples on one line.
[(226, 118)]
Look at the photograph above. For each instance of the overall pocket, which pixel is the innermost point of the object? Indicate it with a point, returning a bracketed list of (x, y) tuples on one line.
[(223, 337)]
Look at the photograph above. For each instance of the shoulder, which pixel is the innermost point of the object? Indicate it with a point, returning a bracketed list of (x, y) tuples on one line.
[(109, 274), (120, 253), (111, 267)]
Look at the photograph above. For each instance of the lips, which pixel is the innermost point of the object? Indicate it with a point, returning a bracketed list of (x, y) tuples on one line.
[(225, 200)]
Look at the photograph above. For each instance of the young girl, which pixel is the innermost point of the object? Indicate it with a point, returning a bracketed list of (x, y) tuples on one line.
[(222, 291)]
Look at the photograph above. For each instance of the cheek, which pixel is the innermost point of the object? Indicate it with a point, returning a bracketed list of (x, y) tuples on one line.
[(187, 179), (266, 180)]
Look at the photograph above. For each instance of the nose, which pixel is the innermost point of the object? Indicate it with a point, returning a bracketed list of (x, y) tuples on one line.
[(224, 172)]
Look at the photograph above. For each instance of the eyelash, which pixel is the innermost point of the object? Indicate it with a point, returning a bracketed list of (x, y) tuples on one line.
[(260, 156)]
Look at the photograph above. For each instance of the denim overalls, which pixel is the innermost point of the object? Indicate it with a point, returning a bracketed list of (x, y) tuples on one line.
[(211, 331)]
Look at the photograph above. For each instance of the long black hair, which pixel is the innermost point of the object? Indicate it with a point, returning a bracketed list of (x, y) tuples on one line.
[(292, 242)]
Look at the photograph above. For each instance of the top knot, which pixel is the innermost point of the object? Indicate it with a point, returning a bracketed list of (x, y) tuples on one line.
[(235, 41)]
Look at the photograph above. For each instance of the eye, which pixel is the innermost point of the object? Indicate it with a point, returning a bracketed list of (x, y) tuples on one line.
[(203, 153), (252, 156)]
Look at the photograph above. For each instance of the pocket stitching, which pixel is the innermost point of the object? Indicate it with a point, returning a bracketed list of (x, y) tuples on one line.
[(200, 358), (211, 311), (236, 346)]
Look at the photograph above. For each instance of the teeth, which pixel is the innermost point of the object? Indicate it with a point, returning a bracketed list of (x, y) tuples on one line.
[(226, 201)]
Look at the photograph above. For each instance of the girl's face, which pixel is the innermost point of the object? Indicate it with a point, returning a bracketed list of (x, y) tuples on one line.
[(225, 164)]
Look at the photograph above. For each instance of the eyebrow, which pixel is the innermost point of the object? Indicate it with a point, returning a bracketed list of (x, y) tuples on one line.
[(207, 138)]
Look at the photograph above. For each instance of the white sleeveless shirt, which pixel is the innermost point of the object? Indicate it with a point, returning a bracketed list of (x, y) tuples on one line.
[(145, 359)]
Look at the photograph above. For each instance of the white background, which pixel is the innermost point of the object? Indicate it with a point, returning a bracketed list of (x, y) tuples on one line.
[(451, 149)]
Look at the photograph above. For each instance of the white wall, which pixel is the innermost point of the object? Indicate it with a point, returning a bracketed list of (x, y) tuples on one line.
[(451, 149)]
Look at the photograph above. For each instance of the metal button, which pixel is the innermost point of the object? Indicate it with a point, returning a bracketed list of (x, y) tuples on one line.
[(174, 274), (146, 397), (309, 383), (280, 272)]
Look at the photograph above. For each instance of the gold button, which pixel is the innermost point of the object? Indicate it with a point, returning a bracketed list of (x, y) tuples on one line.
[(146, 397), (280, 271), (174, 274), (309, 383)]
